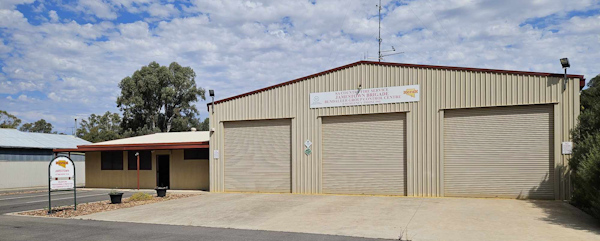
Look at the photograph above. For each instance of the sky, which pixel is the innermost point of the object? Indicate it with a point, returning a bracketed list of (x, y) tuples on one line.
[(64, 59)]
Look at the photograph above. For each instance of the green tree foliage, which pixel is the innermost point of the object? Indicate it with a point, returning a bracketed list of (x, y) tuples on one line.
[(204, 125), (8, 121), (40, 126), (585, 161), (99, 128), (159, 99)]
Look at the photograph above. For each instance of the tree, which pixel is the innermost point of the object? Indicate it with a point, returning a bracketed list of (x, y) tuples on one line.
[(585, 161), (8, 121), (159, 98), (204, 126), (99, 128), (40, 126)]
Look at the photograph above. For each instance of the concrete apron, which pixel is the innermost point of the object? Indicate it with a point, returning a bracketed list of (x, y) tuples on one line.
[(371, 216), (175, 191)]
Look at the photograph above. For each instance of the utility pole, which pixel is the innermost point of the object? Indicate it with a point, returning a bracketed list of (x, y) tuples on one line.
[(75, 129)]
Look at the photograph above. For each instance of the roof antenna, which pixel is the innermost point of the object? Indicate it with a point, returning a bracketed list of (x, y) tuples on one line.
[(381, 54)]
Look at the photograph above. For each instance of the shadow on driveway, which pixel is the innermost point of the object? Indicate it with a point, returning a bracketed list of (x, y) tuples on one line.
[(564, 214)]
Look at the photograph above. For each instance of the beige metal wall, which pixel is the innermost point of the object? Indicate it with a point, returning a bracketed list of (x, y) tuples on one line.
[(441, 89), (185, 174)]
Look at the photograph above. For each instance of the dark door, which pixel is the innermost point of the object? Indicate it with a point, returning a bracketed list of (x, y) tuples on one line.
[(162, 172)]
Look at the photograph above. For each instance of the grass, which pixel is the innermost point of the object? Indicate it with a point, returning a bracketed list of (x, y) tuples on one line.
[(140, 196)]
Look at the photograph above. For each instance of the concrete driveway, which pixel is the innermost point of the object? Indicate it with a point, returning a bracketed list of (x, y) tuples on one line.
[(372, 216)]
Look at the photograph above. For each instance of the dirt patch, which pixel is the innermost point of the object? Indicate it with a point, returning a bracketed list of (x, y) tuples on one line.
[(102, 206)]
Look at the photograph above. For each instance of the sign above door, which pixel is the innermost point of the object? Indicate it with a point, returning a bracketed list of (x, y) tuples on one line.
[(385, 95)]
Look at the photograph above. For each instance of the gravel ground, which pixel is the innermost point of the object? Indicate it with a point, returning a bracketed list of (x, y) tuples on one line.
[(95, 207)]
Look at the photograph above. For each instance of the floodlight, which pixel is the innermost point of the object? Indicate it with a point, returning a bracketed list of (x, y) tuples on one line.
[(565, 63)]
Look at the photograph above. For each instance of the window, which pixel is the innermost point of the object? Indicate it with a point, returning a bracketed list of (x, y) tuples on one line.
[(112, 160), (145, 160), (195, 154)]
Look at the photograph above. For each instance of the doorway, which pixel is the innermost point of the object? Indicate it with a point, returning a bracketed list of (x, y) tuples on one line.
[(162, 171)]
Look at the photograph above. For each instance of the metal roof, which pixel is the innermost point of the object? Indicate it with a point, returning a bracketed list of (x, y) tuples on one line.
[(158, 141), (13, 138), (160, 138), (580, 77)]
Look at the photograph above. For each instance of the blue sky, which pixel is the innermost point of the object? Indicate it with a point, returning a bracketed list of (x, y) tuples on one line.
[(63, 59)]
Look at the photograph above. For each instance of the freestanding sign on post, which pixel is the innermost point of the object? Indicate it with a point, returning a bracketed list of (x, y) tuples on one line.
[(61, 176)]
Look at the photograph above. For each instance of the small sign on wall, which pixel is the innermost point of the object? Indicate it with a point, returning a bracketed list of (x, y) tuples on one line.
[(567, 148), (216, 154), (307, 143)]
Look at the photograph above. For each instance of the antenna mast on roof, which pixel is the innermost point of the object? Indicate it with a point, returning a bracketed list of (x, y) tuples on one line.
[(380, 54)]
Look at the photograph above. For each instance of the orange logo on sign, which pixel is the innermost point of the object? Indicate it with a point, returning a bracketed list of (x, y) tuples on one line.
[(62, 163), (411, 92)]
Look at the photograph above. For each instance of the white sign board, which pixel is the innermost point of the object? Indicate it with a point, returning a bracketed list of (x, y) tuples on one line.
[(394, 94), (567, 148), (216, 154), (307, 143), (62, 173), (61, 184), (61, 167)]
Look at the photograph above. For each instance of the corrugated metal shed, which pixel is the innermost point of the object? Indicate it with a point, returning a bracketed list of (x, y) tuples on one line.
[(443, 89), (12, 138)]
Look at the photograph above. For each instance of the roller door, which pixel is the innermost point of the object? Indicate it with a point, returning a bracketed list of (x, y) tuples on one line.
[(499, 152), (257, 156), (364, 154)]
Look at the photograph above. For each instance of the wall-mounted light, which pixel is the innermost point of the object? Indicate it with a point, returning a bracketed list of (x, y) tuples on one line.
[(565, 64), (211, 93)]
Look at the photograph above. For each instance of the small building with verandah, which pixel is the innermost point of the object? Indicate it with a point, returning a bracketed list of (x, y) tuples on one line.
[(178, 160)]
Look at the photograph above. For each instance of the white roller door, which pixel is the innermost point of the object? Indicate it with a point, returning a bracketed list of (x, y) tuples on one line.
[(499, 152), (364, 154), (258, 156)]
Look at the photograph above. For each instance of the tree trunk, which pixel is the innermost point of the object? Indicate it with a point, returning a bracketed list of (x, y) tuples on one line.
[(169, 124), (153, 122)]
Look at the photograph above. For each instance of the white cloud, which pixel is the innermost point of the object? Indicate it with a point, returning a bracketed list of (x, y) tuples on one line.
[(162, 11), (25, 98), (53, 16), (98, 8), (10, 4), (12, 19), (239, 46)]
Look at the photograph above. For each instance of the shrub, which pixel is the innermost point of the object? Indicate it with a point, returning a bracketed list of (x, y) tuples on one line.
[(140, 196), (586, 175), (585, 161)]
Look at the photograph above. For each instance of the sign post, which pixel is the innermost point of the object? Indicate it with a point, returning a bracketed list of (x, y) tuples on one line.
[(137, 154), (61, 176)]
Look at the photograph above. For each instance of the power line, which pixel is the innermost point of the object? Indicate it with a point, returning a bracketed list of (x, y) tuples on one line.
[(436, 18)]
